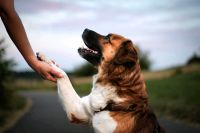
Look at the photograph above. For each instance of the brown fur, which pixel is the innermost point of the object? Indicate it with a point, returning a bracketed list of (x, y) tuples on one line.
[(126, 121), (74, 119), (120, 68)]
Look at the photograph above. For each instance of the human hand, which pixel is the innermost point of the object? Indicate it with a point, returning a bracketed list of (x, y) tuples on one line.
[(46, 71)]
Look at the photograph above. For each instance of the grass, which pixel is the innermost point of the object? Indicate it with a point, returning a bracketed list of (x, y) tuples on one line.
[(17, 102), (83, 88), (32, 84), (177, 96)]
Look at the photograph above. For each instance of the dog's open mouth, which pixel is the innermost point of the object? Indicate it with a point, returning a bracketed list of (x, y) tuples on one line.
[(92, 51), (87, 50), (91, 55)]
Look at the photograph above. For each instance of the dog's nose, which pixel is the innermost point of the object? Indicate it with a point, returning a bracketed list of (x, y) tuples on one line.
[(85, 32)]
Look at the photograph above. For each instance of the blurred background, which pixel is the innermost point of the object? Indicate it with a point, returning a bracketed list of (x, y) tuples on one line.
[(166, 32)]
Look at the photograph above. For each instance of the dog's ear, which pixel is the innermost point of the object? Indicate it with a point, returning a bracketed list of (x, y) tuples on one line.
[(126, 55)]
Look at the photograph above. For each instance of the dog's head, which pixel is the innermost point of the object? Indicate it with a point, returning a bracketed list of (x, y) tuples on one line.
[(110, 48)]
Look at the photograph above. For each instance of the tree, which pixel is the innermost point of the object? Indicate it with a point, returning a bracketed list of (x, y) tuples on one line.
[(194, 59), (5, 75), (145, 62), (85, 70)]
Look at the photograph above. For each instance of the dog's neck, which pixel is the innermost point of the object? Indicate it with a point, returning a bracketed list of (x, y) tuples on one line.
[(122, 78), (129, 84)]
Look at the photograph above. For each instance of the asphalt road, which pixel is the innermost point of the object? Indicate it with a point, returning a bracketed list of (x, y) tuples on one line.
[(47, 116)]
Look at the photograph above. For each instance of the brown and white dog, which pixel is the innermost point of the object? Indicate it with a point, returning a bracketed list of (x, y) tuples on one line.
[(118, 101)]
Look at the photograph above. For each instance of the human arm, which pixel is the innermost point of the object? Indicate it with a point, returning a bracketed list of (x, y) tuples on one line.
[(18, 35)]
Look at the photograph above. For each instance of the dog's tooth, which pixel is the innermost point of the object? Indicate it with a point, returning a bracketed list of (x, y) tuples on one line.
[(81, 46)]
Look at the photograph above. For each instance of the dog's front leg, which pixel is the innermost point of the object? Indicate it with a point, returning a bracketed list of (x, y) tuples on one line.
[(78, 109)]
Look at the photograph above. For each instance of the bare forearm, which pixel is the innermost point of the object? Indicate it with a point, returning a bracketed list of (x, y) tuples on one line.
[(18, 35)]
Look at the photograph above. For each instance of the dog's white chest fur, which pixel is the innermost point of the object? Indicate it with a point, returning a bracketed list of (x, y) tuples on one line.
[(100, 95), (86, 108), (103, 123)]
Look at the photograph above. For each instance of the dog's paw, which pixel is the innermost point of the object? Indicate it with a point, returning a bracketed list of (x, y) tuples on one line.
[(42, 57)]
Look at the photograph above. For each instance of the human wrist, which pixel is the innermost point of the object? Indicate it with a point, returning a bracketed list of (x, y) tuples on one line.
[(33, 62)]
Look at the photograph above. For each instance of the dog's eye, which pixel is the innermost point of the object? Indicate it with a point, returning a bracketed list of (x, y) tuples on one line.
[(107, 38)]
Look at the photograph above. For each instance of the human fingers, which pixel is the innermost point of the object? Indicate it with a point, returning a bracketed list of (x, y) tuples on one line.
[(50, 78), (54, 63), (56, 73)]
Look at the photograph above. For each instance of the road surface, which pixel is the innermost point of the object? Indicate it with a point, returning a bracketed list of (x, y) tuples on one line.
[(47, 116)]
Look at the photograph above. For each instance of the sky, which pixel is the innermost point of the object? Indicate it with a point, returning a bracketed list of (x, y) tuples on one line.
[(168, 30)]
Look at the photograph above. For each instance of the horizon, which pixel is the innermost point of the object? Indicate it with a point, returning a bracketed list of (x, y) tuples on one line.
[(170, 32)]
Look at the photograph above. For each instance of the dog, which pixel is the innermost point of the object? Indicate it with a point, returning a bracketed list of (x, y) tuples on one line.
[(118, 102)]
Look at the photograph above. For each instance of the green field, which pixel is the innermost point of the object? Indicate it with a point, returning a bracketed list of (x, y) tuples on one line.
[(16, 103), (22, 84), (83, 89), (177, 96)]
